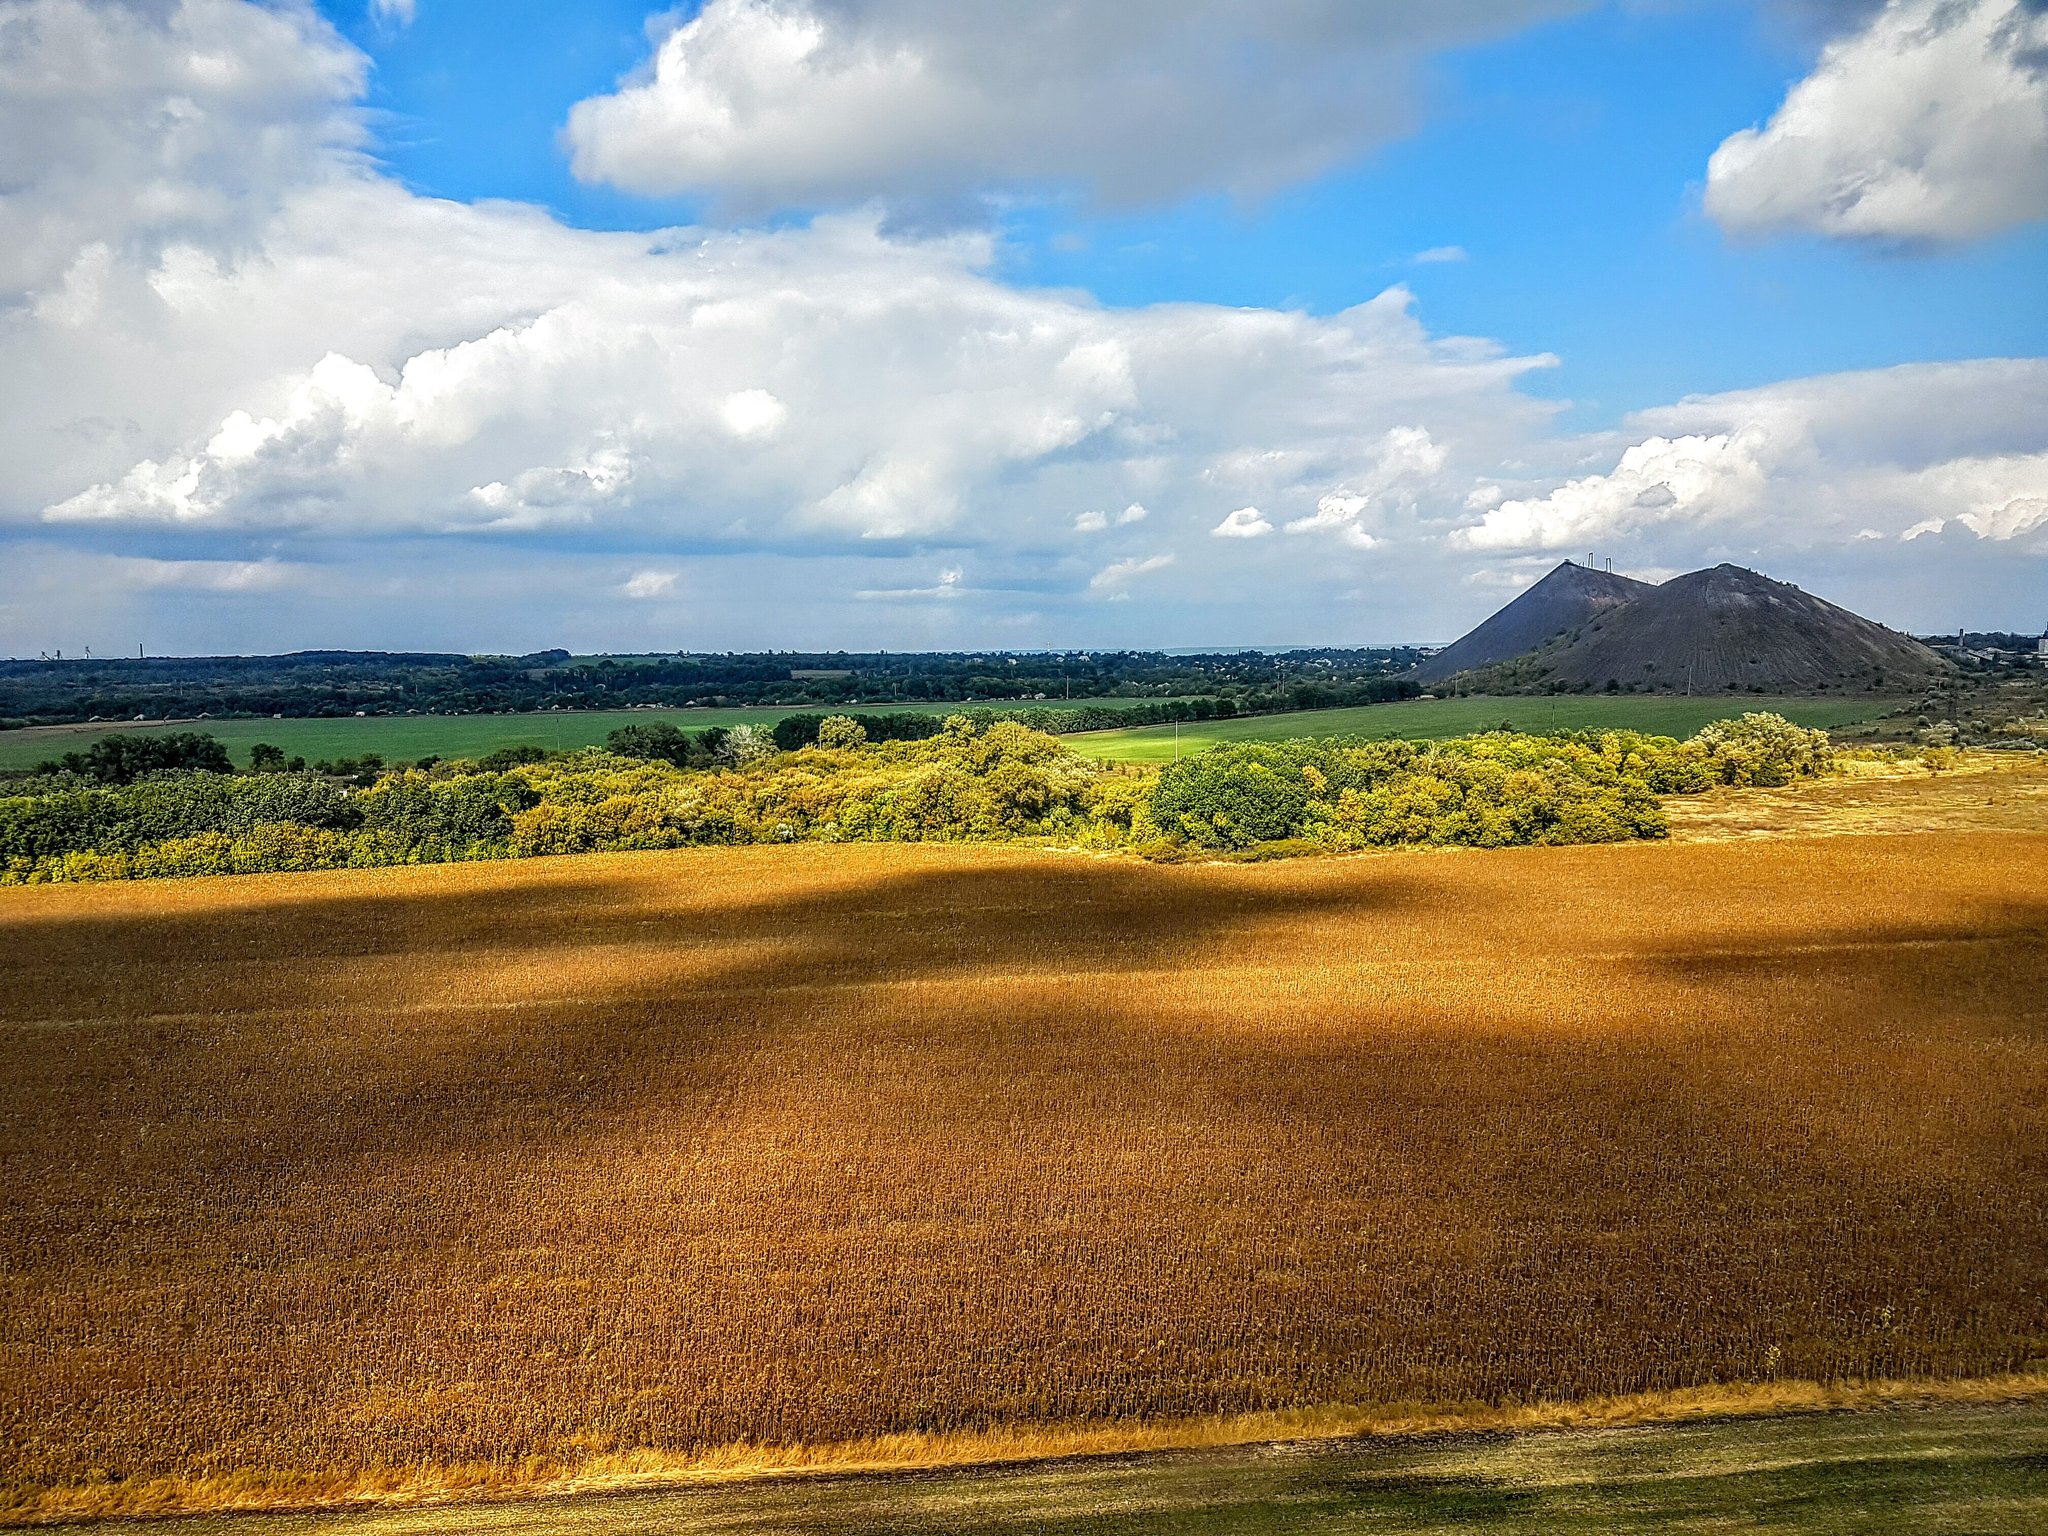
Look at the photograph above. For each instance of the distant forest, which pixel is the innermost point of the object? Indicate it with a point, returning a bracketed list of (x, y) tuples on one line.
[(310, 684)]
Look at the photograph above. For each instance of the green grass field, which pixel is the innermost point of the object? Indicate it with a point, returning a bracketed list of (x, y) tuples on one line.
[(1920, 1470), (406, 738), (1430, 719)]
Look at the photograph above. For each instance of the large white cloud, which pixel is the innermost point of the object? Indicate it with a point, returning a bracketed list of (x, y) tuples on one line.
[(774, 103), (341, 356), (1883, 455), (1928, 124), (822, 383), (343, 360), (124, 126), (1687, 480)]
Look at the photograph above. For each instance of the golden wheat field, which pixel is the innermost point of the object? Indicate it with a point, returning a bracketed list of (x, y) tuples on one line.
[(475, 1174)]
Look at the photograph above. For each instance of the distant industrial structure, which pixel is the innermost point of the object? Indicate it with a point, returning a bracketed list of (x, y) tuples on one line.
[(1992, 649)]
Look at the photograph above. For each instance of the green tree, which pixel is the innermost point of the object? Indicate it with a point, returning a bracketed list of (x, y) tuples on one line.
[(1234, 795), (124, 758), (1762, 750), (657, 741), (841, 731)]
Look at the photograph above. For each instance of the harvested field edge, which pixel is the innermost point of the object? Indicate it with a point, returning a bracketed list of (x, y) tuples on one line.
[(281, 1492)]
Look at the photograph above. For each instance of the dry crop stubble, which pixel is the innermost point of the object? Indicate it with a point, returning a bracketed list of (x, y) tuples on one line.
[(1982, 792), (529, 1164)]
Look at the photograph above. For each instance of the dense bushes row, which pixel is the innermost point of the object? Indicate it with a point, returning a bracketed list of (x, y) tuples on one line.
[(794, 732), (125, 819), (981, 783), (123, 758), (1488, 792), (967, 782), (1495, 790)]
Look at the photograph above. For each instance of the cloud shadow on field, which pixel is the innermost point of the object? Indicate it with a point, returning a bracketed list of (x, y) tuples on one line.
[(982, 1133), (458, 1013)]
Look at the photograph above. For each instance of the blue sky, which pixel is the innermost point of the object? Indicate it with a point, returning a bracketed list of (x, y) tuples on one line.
[(954, 322)]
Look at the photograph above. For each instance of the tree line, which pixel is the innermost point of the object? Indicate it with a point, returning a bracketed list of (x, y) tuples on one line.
[(319, 684), (967, 781)]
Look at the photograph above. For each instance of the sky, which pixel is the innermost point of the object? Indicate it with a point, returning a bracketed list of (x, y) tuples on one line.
[(906, 324)]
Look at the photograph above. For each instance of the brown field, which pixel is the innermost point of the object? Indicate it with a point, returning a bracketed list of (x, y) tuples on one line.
[(1984, 792), (480, 1175)]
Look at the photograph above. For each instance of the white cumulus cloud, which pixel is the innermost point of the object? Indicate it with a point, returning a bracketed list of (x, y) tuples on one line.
[(1928, 124), (1407, 464), (1660, 480), (951, 585), (778, 103), (2002, 498), (648, 584), (1096, 522), (825, 380), (1114, 578), (128, 128), (753, 413), (1836, 460), (1244, 523)]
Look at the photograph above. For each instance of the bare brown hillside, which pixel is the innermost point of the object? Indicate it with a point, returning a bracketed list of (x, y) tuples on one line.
[(1725, 630), (1567, 598)]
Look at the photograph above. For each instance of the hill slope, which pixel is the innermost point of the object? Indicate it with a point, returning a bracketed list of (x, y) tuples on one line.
[(1562, 601), (1727, 630)]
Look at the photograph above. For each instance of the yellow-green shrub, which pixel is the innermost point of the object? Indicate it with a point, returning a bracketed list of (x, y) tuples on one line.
[(986, 780)]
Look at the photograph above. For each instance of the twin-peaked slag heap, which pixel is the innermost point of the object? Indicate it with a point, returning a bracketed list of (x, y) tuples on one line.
[(1718, 631)]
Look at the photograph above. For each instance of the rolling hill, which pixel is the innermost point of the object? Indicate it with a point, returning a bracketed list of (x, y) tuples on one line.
[(1564, 600)]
